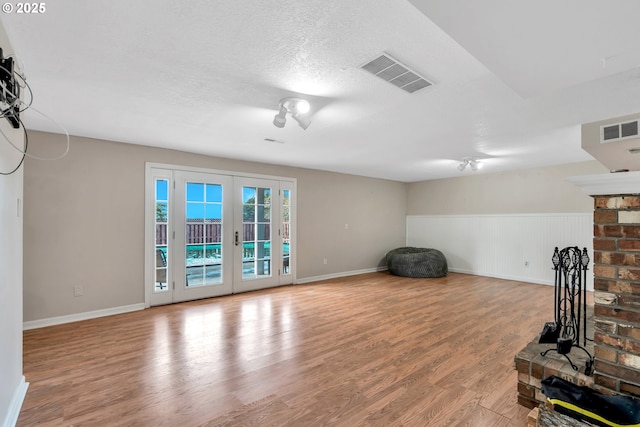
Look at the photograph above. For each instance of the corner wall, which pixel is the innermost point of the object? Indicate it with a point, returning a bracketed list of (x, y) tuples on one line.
[(84, 222), (503, 225), (12, 382)]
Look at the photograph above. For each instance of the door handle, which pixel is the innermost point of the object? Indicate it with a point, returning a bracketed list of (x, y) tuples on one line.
[(237, 239)]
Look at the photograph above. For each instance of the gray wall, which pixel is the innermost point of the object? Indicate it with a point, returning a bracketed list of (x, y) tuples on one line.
[(84, 221), (539, 190)]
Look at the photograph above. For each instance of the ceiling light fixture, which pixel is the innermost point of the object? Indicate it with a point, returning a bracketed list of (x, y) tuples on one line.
[(473, 164), (298, 108)]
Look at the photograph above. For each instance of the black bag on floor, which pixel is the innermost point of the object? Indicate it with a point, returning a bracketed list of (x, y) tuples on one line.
[(588, 405)]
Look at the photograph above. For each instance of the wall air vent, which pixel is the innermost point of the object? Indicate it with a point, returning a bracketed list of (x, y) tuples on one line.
[(618, 131), (392, 71)]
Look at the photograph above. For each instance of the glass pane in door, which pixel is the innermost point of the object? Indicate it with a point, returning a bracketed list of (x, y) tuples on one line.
[(286, 231), (256, 232), (161, 242), (203, 234)]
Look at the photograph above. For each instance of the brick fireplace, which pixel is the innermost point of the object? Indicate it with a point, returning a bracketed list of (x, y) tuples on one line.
[(616, 310), (616, 271)]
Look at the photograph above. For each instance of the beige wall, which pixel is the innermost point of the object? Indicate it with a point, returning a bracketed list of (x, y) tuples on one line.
[(539, 190), (84, 221), (84, 216)]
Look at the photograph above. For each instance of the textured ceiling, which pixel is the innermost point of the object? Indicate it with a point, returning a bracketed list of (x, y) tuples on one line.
[(513, 82)]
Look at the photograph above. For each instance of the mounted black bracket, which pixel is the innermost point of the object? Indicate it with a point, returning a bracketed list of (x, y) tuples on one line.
[(9, 91)]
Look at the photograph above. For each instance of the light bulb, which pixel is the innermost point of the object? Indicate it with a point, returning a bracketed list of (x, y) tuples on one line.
[(302, 106)]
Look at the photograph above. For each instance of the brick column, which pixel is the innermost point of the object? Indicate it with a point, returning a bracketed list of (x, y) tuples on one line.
[(616, 272)]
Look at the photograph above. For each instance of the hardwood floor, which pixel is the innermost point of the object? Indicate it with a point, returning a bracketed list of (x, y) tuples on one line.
[(368, 350)]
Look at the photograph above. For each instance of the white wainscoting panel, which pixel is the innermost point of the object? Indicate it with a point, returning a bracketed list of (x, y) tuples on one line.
[(508, 246)]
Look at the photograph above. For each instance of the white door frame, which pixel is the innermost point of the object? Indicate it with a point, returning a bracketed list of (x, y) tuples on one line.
[(151, 172)]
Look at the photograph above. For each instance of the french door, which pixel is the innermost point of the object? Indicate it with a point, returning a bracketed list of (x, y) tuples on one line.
[(256, 245), (215, 234)]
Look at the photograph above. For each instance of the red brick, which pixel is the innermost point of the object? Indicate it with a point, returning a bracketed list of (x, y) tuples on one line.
[(605, 326), (622, 287), (630, 231), (617, 371), (605, 216), (628, 388), (629, 301), (605, 381), (611, 258), (552, 367), (629, 331), (626, 274), (630, 259), (626, 202), (626, 231), (605, 339), (600, 202), (606, 271), (617, 202), (603, 284), (616, 313), (607, 231), (629, 360), (604, 244), (605, 353), (528, 402), (632, 347), (537, 370), (526, 390), (625, 245), (522, 366)]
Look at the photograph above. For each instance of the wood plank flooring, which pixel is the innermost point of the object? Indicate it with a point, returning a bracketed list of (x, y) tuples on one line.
[(367, 350)]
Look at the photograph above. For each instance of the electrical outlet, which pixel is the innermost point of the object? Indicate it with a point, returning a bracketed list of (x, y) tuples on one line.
[(325, 261), (346, 226), (78, 291), (526, 263)]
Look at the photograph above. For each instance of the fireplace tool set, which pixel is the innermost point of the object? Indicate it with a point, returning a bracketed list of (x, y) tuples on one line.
[(569, 328)]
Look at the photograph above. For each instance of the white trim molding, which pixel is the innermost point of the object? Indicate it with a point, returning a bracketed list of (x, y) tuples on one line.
[(342, 274), (34, 324), (16, 404), (608, 184)]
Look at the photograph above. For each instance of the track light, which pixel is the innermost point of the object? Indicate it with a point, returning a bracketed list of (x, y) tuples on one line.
[(473, 164), (281, 118), (298, 108)]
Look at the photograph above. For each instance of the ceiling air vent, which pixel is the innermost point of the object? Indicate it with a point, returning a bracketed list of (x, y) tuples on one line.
[(618, 131), (392, 71)]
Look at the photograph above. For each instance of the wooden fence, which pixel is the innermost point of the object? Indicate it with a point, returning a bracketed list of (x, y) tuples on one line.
[(200, 233)]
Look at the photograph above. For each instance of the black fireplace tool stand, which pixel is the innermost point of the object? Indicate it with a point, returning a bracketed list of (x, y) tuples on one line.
[(569, 328)]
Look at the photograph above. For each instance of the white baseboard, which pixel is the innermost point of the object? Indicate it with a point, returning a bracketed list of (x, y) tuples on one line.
[(342, 274), (502, 276), (16, 404), (453, 270), (33, 324)]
